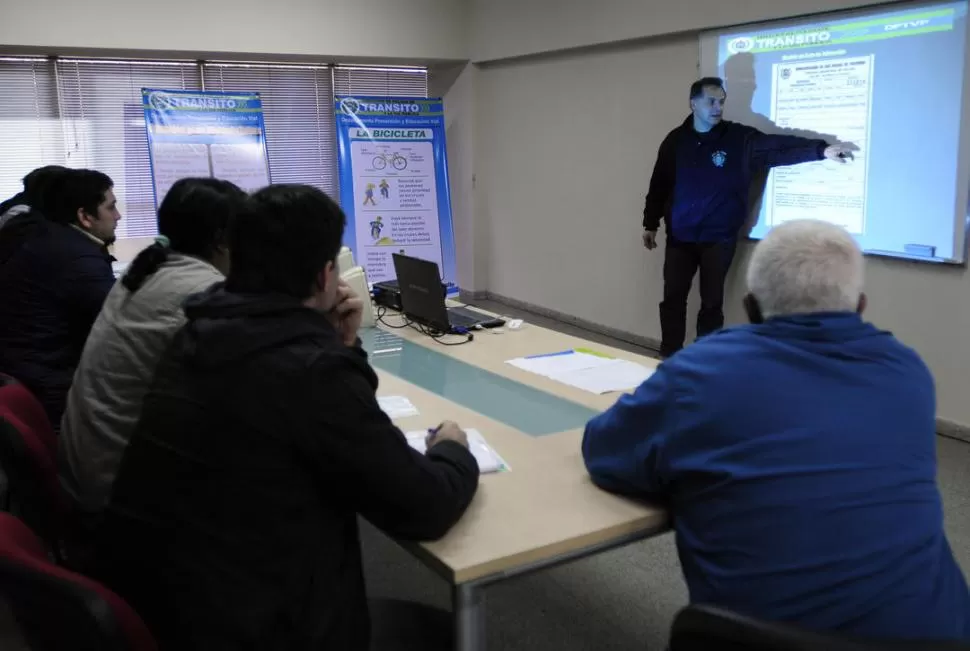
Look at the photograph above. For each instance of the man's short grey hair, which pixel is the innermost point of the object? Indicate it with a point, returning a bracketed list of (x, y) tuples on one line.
[(806, 266)]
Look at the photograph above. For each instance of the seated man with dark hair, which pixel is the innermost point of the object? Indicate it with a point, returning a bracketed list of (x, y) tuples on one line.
[(232, 522), (55, 272)]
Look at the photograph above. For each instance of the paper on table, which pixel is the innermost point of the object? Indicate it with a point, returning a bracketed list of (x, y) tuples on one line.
[(488, 459), (586, 370), (615, 375), (397, 407), (557, 364)]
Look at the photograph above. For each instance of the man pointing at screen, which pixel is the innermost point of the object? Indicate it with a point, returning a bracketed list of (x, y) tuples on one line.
[(700, 186)]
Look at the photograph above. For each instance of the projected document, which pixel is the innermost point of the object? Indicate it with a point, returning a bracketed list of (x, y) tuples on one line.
[(833, 96), (886, 82)]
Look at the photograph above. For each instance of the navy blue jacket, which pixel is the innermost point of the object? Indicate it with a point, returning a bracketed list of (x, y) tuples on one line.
[(700, 181), (798, 460), (53, 280)]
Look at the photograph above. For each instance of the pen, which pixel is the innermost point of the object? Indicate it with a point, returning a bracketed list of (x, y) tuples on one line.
[(432, 431)]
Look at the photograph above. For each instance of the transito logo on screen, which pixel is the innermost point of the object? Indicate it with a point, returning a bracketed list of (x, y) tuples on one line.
[(740, 44), (778, 41)]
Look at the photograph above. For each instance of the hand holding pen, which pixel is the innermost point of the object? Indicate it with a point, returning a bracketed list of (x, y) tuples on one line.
[(446, 431)]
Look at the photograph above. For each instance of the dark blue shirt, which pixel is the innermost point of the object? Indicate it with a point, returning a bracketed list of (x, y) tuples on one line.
[(701, 181), (798, 460), (53, 280)]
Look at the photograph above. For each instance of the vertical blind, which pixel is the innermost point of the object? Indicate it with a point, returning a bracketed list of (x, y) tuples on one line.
[(87, 113)]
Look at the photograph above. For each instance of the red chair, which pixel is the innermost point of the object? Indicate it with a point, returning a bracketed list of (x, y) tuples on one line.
[(59, 609), (28, 458)]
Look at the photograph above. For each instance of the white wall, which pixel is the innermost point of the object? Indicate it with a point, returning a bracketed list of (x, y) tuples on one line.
[(345, 29), (565, 149), (503, 29)]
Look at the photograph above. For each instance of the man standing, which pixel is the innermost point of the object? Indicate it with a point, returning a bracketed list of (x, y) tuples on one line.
[(700, 185), (796, 455), (55, 272)]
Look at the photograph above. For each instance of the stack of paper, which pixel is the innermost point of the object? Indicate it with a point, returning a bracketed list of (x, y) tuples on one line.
[(586, 369), (488, 459), (396, 407)]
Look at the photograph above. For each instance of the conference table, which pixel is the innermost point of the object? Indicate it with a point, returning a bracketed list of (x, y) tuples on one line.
[(544, 510)]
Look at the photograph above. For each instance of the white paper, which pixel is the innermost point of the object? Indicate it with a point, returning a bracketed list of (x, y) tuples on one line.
[(558, 364), (397, 407), (488, 459), (617, 375), (593, 373)]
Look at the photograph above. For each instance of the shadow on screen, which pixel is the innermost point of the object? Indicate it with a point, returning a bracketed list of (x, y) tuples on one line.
[(740, 81)]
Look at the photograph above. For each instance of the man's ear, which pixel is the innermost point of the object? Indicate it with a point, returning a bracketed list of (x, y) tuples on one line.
[(863, 304), (84, 219), (752, 309)]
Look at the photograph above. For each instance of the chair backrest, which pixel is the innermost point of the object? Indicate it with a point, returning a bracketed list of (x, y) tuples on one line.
[(706, 628), (59, 609), (28, 456)]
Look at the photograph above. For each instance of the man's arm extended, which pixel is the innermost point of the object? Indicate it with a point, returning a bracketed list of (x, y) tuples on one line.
[(770, 150), (622, 447), (661, 183)]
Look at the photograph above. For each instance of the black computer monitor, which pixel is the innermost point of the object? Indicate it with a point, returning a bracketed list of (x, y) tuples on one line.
[(422, 293)]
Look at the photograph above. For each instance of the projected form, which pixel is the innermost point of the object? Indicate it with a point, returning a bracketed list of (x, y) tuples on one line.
[(887, 82), (833, 96)]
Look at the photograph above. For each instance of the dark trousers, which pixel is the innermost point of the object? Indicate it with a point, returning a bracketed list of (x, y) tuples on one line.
[(682, 261)]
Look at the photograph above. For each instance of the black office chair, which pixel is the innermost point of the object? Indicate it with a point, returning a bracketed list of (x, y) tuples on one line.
[(706, 628)]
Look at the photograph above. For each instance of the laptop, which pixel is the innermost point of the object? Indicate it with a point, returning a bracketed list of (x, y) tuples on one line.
[(423, 299)]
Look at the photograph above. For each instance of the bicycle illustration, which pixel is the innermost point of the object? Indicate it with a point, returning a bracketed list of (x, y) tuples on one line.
[(397, 161)]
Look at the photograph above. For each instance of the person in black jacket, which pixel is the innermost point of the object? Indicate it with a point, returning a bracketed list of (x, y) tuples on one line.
[(35, 189), (700, 186), (233, 519), (55, 272)]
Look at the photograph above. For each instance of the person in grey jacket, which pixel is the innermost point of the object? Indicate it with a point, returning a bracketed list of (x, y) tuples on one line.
[(136, 325)]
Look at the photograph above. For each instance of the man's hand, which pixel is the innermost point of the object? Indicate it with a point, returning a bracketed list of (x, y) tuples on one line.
[(447, 431), (346, 313), (838, 153), (650, 240)]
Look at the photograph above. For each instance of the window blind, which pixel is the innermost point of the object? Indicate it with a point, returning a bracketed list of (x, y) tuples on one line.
[(298, 116), (87, 113), (30, 134), (104, 127), (380, 82)]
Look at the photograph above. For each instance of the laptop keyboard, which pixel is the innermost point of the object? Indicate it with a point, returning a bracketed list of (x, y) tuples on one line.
[(460, 318)]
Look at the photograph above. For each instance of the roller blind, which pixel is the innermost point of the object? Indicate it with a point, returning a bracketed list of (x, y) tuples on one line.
[(298, 115), (104, 126), (382, 82), (30, 134)]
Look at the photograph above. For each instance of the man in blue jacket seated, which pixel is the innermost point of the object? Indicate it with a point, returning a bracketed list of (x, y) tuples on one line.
[(796, 455), (700, 186), (55, 272)]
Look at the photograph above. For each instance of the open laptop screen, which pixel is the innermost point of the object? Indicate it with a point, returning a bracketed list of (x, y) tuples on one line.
[(422, 294)]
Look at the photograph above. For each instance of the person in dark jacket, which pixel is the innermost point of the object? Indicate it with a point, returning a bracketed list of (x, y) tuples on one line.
[(35, 189), (55, 272), (797, 455), (232, 522), (700, 186)]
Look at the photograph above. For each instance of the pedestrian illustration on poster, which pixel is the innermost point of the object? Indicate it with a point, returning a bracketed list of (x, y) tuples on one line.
[(369, 195), (376, 227), (385, 188)]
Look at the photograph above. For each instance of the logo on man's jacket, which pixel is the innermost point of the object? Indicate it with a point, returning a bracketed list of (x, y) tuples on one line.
[(719, 158)]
